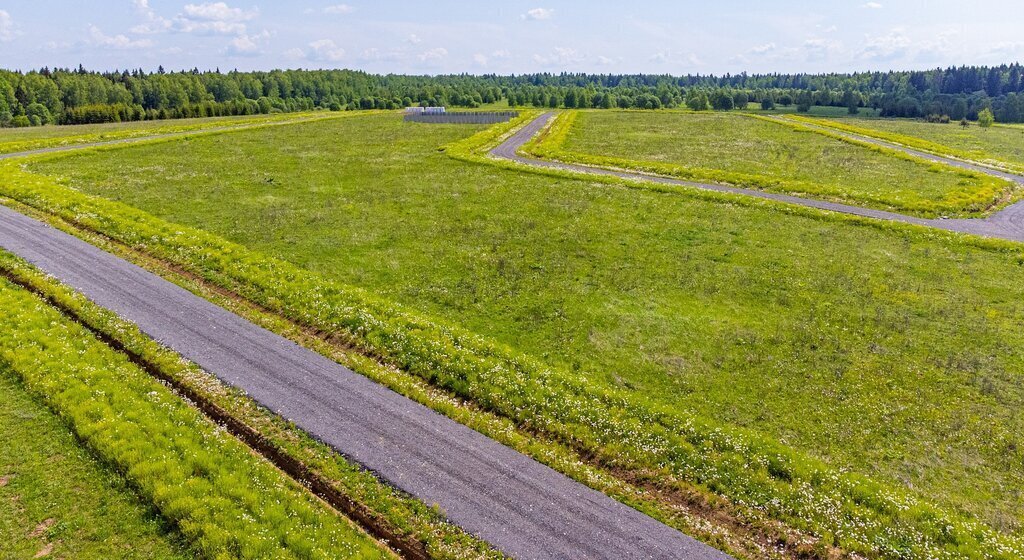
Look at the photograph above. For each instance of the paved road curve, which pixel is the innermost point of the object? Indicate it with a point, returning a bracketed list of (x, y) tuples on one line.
[(1005, 224), (522, 507)]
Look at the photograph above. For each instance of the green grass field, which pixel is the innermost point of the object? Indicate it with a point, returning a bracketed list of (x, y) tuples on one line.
[(225, 501), (56, 496), (884, 353), (36, 137), (816, 111), (999, 144), (771, 156)]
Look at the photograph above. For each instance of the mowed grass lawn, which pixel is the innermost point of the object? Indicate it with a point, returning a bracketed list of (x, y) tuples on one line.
[(999, 143), (57, 498), (800, 160), (896, 357)]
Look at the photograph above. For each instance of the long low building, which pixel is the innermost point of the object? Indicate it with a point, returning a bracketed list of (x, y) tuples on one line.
[(463, 117), (425, 110)]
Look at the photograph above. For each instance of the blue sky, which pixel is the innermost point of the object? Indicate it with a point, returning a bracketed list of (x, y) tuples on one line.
[(511, 36)]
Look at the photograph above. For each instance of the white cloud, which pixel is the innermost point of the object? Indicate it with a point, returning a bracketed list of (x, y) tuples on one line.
[(819, 49), (663, 57), (608, 61), (560, 56), (872, 6), (413, 39), (151, 27), (246, 45), (116, 42), (433, 55), (1008, 49), (339, 9), (153, 24), (763, 49), (538, 14), (210, 27), (217, 11), (294, 53), (481, 59), (325, 50), (894, 44), (377, 55), (6, 27), (217, 18)]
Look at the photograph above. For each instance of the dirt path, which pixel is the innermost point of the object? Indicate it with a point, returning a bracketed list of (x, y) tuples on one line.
[(1005, 224)]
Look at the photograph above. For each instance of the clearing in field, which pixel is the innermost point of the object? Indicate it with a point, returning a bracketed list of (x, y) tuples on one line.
[(758, 153), (883, 352)]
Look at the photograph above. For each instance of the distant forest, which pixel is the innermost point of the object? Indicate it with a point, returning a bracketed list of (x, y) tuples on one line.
[(77, 96)]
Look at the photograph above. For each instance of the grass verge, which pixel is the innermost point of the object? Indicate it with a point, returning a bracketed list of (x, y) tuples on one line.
[(971, 155), (846, 510), (225, 501), (57, 500)]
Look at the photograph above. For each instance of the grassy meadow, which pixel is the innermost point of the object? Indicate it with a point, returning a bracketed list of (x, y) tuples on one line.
[(1001, 145), (881, 352), (36, 137), (762, 154), (815, 110), (57, 497)]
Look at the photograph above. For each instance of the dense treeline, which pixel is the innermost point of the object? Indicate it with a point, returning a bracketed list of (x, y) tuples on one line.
[(68, 96)]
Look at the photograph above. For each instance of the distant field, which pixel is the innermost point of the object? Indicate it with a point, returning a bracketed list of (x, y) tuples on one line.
[(890, 356), (772, 156), (56, 496), (30, 138), (816, 110), (999, 144)]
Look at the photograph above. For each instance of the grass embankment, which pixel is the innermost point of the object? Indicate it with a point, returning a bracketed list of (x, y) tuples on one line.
[(754, 152), (225, 501), (657, 312), (35, 138), (999, 146), (58, 501)]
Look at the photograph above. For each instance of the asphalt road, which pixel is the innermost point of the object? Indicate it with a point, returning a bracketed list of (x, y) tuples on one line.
[(1005, 224), (520, 506)]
